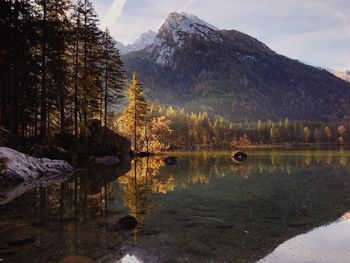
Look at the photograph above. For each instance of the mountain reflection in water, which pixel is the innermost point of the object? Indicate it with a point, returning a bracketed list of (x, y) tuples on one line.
[(205, 209)]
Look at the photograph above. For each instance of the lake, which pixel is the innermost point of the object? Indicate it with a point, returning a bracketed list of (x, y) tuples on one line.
[(278, 206)]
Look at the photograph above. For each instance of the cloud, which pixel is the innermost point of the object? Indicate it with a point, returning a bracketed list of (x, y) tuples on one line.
[(138, 18), (114, 11), (186, 5)]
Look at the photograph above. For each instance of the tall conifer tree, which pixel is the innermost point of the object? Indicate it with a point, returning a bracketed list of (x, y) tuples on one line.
[(136, 113)]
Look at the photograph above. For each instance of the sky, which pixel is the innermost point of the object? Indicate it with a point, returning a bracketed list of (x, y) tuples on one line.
[(316, 32)]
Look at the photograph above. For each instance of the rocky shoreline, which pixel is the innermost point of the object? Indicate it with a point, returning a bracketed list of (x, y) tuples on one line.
[(20, 167)]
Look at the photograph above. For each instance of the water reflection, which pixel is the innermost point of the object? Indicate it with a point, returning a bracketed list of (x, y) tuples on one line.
[(232, 211), (150, 175), (205, 209), (64, 222), (142, 180)]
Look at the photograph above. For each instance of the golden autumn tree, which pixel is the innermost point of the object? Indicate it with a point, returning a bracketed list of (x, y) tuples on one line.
[(328, 133), (157, 134), (341, 130), (307, 134), (135, 116)]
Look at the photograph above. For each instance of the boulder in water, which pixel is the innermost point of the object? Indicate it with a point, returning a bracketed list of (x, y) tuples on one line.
[(239, 156), (128, 222)]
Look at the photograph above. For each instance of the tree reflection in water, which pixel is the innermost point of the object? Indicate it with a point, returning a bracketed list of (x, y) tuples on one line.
[(150, 175), (273, 196), (142, 180)]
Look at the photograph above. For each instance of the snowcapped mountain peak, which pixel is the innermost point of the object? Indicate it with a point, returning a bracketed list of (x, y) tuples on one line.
[(173, 33), (140, 43), (170, 36), (145, 39), (185, 21), (178, 24)]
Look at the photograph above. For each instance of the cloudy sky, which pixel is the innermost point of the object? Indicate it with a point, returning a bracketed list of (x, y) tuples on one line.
[(316, 32)]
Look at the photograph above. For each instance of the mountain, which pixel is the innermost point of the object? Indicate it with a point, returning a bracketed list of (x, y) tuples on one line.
[(121, 47), (227, 73), (141, 42)]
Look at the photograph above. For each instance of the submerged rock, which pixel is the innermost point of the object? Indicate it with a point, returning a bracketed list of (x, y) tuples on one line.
[(18, 166), (128, 222)]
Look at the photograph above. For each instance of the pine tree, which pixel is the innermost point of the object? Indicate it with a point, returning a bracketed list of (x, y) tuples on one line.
[(56, 70), (18, 67), (58, 57), (90, 53), (113, 75), (76, 65), (135, 115), (87, 59), (43, 94), (307, 134)]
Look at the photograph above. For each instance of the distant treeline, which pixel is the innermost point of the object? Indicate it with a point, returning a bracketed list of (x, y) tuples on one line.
[(191, 131), (58, 70)]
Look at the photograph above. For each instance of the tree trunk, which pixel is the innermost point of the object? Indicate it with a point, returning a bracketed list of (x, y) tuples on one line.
[(147, 138), (62, 114), (85, 63), (106, 93), (43, 113), (135, 128), (76, 81)]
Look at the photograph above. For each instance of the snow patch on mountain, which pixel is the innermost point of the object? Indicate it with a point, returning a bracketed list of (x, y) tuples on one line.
[(176, 25), (143, 41), (170, 36)]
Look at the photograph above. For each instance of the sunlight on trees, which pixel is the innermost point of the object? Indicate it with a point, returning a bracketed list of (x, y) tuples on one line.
[(341, 131), (136, 113)]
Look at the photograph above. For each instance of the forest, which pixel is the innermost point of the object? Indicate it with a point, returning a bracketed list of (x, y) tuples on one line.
[(59, 72), (200, 130), (58, 69)]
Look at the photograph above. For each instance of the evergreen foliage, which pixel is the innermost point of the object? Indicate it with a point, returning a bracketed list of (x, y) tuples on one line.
[(58, 70)]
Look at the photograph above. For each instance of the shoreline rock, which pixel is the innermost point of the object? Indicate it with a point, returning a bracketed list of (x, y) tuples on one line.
[(17, 166)]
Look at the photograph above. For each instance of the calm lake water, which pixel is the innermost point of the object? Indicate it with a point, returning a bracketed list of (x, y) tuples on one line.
[(278, 206)]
